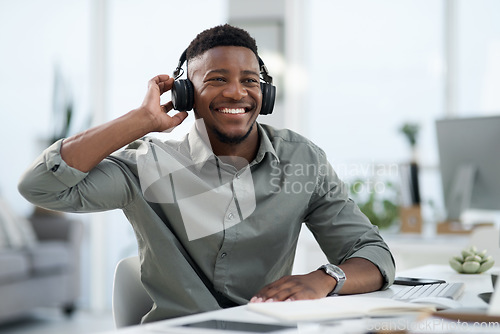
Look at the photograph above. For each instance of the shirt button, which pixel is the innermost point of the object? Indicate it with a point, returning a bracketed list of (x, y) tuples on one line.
[(223, 255), (230, 216)]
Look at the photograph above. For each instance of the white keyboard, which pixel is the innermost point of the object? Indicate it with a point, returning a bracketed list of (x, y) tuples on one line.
[(446, 290)]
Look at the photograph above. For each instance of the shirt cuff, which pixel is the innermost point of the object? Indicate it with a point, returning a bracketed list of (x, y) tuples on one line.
[(382, 258), (69, 176)]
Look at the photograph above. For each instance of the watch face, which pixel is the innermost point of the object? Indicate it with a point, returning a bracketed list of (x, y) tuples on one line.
[(334, 270), (338, 274)]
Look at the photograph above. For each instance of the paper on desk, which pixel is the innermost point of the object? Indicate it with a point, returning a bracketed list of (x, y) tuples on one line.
[(339, 307)]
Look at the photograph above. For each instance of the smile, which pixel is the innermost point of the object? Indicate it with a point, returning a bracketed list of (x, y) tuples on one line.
[(231, 110)]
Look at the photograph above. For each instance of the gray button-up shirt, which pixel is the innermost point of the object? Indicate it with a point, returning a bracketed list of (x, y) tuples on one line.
[(211, 235)]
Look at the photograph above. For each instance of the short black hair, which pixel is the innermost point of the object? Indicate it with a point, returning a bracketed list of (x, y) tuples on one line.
[(222, 35)]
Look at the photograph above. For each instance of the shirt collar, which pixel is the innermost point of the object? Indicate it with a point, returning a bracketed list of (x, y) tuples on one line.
[(201, 150), (266, 146), (199, 144)]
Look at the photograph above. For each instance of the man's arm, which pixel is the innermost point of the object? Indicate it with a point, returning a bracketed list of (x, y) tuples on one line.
[(66, 178), (348, 240), (362, 276), (85, 150)]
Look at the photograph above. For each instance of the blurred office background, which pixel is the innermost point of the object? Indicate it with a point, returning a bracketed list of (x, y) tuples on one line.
[(349, 75)]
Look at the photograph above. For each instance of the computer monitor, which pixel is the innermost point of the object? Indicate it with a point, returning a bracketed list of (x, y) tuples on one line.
[(469, 154)]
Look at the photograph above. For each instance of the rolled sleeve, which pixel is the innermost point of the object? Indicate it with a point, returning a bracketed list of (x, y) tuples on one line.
[(47, 176), (381, 257), (67, 175), (51, 183)]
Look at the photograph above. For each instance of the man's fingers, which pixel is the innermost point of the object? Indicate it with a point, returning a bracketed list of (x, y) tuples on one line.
[(167, 106), (294, 287), (179, 117), (280, 290), (163, 82), (160, 78)]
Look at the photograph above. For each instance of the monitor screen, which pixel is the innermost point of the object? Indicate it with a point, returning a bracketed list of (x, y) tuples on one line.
[(469, 154)]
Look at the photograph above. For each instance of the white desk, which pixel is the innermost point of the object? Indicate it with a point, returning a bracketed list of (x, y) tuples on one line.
[(475, 284)]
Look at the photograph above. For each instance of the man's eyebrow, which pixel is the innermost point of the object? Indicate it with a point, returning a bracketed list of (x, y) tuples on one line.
[(219, 70), (224, 71), (249, 72)]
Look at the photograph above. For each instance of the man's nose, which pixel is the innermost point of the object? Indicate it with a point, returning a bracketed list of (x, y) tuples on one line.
[(235, 91)]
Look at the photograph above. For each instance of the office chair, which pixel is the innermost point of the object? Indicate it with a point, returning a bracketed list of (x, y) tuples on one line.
[(130, 301)]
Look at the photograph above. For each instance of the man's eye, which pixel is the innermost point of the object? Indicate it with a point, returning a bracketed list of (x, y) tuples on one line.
[(251, 80)]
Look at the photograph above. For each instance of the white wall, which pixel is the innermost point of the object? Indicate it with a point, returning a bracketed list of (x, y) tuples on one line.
[(374, 65), (34, 37)]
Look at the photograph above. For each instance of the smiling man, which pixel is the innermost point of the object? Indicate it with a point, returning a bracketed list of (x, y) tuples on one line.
[(217, 215)]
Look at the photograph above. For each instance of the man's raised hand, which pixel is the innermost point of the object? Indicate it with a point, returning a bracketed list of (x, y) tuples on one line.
[(158, 112)]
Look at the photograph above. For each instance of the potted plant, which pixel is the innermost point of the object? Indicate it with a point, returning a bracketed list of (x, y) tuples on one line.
[(378, 202)]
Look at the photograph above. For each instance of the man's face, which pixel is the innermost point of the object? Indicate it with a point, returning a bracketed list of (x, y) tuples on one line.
[(227, 92)]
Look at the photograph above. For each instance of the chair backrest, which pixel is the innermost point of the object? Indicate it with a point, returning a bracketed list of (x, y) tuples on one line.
[(130, 300)]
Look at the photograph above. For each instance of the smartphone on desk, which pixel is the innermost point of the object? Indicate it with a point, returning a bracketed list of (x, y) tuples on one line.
[(416, 281)]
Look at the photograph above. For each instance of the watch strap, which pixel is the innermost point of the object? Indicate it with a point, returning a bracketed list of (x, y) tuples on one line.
[(337, 273)]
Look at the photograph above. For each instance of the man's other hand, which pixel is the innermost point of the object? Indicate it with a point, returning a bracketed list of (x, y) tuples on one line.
[(296, 287)]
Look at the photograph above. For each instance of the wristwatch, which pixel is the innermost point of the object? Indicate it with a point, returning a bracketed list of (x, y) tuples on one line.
[(336, 273)]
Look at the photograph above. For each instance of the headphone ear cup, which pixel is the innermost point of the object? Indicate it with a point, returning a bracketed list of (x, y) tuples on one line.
[(182, 95), (268, 98)]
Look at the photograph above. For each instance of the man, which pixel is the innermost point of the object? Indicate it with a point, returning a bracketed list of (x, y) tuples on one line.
[(216, 215)]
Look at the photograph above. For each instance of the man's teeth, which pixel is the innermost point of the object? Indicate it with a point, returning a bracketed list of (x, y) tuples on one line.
[(232, 111)]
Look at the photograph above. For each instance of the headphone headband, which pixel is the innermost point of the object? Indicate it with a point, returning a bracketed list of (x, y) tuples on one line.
[(179, 71)]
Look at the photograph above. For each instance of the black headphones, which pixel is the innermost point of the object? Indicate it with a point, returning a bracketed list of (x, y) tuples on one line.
[(183, 91)]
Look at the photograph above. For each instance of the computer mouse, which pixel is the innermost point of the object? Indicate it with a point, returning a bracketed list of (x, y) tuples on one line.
[(441, 303)]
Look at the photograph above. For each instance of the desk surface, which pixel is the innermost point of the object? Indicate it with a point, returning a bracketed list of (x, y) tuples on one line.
[(474, 284)]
